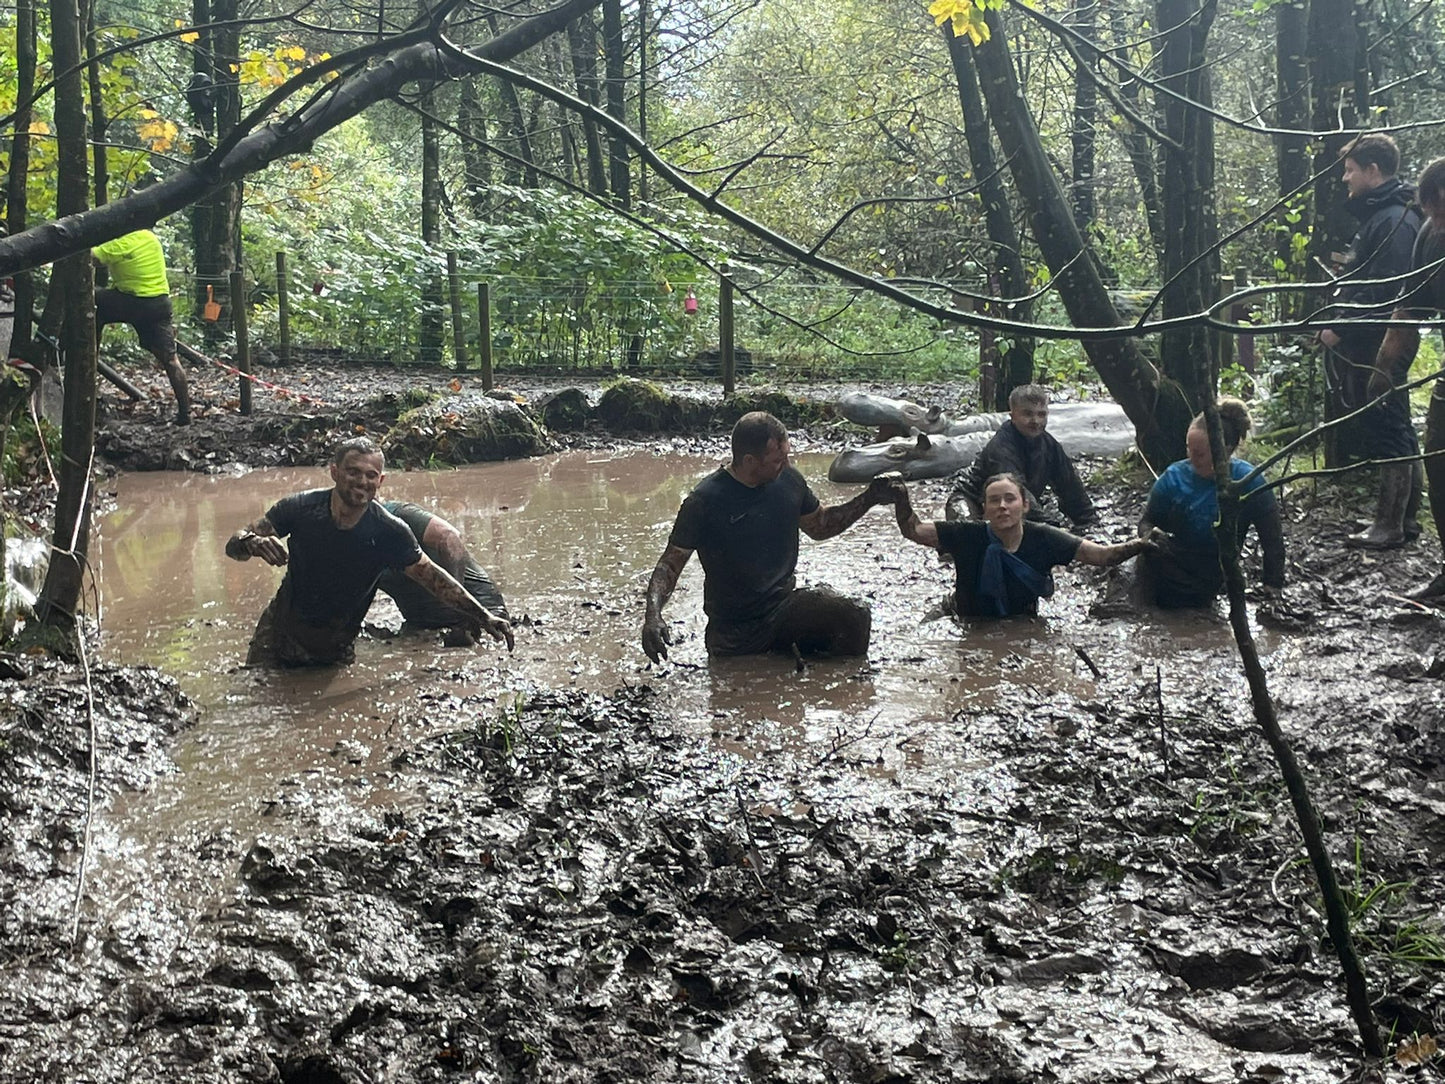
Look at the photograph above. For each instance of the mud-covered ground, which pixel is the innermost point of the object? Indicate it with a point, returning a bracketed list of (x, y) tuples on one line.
[(1109, 889)]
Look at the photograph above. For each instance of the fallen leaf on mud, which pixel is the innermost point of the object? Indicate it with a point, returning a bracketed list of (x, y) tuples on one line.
[(455, 385), (1417, 1051)]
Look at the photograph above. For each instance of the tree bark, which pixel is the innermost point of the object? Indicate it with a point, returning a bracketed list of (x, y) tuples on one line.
[(614, 60), (1292, 161), (98, 121), (17, 199), (1006, 258), (57, 607), (1083, 134), (215, 101), (431, 333), (582, 39), (1136, 143), (1155, 404), (476, 162), (525, 172), (1191, 269)]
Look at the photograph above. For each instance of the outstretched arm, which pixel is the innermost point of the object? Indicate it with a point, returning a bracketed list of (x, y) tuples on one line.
[(655, 637), (1092, 553), (1271, 541), (441, 583), (925, 533), (443, 543), (823, 523), (257, 540)]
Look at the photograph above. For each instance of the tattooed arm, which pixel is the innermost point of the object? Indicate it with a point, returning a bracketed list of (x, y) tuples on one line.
[(823, 523), (655, 637), (257, 540), (441, 583)]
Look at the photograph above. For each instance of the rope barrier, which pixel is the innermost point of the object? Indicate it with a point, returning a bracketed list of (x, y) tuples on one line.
[(281, 390)]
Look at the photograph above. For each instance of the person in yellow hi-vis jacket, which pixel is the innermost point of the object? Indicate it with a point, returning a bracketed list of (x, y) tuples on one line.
[(140, 295)]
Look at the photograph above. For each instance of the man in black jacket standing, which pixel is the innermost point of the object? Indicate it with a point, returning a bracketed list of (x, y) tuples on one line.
[(1381, 250)]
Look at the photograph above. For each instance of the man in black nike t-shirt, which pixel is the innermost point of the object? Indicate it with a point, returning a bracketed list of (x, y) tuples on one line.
[(341, 541), (743, 521)]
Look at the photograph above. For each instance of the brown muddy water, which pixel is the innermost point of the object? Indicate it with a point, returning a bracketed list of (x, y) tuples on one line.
[(571, 540)]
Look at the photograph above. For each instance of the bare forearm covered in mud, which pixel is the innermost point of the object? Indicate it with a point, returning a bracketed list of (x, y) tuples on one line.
[(913, 528), (1100, 556), (655, 637), (824, 523), (449, 592), (257, 540)]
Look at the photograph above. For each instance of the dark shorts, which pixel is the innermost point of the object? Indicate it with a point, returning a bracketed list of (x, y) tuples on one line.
[(281, 639), (818, 620), (152, 318)]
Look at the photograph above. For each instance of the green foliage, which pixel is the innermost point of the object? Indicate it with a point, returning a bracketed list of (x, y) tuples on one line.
[(23, 460)]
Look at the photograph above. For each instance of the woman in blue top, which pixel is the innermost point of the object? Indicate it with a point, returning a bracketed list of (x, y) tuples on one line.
[(1185, 570)]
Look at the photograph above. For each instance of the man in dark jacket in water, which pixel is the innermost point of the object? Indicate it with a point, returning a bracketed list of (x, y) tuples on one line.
[(1022, 446), (1425, 297), (1381, 250)]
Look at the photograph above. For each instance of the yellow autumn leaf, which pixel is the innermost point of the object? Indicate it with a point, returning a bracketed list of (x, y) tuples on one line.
[(39, 127), (190, 36), (295, 52), (146, 113), (180, 23)]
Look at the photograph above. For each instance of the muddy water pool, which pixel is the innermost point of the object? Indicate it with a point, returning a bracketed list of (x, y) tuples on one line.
[(571, 540)]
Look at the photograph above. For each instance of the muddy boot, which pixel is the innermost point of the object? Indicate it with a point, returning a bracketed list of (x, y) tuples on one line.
[(177, 377), (1434, 591), (1411, 525), (1388, 531)]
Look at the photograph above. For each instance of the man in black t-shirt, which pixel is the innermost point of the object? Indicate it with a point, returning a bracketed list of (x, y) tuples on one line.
[(341, 540), (743, 520), (1004, 564), (443, 543)]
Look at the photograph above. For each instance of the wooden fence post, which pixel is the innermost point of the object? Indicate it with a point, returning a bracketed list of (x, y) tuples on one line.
[(484, 335), (243, 343), (283, 309), (1240, 314), (459, 327), (725, 329)]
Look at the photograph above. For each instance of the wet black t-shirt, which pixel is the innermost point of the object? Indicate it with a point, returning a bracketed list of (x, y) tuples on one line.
[(1041, 549), (747, 540), (333, 572)]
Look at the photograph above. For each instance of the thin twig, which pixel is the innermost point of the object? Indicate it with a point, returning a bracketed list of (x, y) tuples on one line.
[(839, 744), (89, 794), (755, 856), (1079, 651), (1159, 705)]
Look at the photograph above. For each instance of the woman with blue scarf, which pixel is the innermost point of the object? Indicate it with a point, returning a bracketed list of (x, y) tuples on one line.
[(1005, 563)]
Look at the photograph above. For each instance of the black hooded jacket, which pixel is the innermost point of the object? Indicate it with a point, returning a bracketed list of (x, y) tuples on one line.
[(1382, 249)]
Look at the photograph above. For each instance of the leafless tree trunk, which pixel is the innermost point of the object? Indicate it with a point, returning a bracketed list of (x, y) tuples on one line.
[(1006, 258), (1155, 404), (17, 200), (59, 602), (582, 38), (615, 62)]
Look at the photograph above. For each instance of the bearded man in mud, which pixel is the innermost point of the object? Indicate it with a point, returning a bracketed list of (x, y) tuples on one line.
[(1425, 297), (1005, 564), (743, 520), (1023, 447), (443, 544), (342, 540), (1380, 251)]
